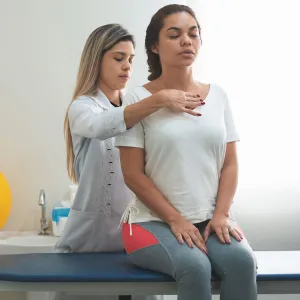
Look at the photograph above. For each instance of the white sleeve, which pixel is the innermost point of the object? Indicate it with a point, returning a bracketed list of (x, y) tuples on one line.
[(89, 121), (135, 136), (232, 134)]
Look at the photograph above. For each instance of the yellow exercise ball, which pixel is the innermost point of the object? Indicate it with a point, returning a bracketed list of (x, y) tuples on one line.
[(5, 200)]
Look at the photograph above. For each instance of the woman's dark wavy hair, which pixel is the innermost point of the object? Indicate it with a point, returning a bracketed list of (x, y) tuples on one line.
[(152, 34)]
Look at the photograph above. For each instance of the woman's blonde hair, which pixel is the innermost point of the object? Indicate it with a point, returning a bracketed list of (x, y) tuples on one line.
[(101, 40)]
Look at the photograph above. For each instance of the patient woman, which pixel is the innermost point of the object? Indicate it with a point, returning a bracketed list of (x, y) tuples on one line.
[(183, 170), (94, 117)]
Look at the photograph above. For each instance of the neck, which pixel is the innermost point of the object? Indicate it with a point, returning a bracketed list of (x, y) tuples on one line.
[(112, 95), (177, 78)]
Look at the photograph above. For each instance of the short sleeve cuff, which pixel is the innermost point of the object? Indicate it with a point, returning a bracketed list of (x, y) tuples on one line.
[(126, 141), (232, 137)]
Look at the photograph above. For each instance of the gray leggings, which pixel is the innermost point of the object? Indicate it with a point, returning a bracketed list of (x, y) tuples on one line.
[(234, 263)]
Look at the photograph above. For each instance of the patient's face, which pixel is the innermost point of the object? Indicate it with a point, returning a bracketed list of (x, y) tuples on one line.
[(116, 66), (180, 33)]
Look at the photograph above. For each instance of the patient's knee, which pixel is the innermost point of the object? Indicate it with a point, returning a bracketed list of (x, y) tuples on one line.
[(194, 270), (244, 262)]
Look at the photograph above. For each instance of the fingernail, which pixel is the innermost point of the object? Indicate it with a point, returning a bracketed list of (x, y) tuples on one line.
[(203, 103), (199, 115)]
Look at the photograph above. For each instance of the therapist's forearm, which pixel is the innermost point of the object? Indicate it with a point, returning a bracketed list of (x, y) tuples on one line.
[(136, 112), (227, 188), (150, 196)]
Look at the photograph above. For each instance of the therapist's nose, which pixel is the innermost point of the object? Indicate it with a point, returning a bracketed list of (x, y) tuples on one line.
[(127, 66)]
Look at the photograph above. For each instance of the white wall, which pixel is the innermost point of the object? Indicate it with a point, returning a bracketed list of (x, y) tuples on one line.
[(41, 44), (252, 49)]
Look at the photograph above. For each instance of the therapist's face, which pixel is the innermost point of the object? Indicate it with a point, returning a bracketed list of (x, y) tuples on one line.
[(116, 66)]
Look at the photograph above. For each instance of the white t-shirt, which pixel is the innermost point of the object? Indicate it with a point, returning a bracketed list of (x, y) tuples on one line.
[(184, 154)]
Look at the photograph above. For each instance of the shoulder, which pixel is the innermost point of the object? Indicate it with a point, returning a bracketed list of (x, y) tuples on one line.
[(137, 94), (218, 93), (81, 105), (84, 100), (214, 88)]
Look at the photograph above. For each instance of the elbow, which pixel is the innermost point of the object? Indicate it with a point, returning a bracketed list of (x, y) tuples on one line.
[(230, 168), (130, 178), (230, 162), (231, 165)]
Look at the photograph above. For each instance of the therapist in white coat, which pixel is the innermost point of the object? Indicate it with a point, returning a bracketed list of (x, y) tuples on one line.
[(94, 117)]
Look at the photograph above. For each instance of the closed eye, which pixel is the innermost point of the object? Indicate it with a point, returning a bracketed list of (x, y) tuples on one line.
[(191, 35)]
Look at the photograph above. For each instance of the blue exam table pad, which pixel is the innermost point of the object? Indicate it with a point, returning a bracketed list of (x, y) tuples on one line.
[(116, 267), (74, 267)]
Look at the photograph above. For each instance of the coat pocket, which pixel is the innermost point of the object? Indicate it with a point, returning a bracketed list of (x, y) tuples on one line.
[(90, 232), (79, 231)]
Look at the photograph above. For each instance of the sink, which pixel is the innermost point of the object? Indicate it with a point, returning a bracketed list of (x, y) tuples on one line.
[(26, 242), (32, 241)]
